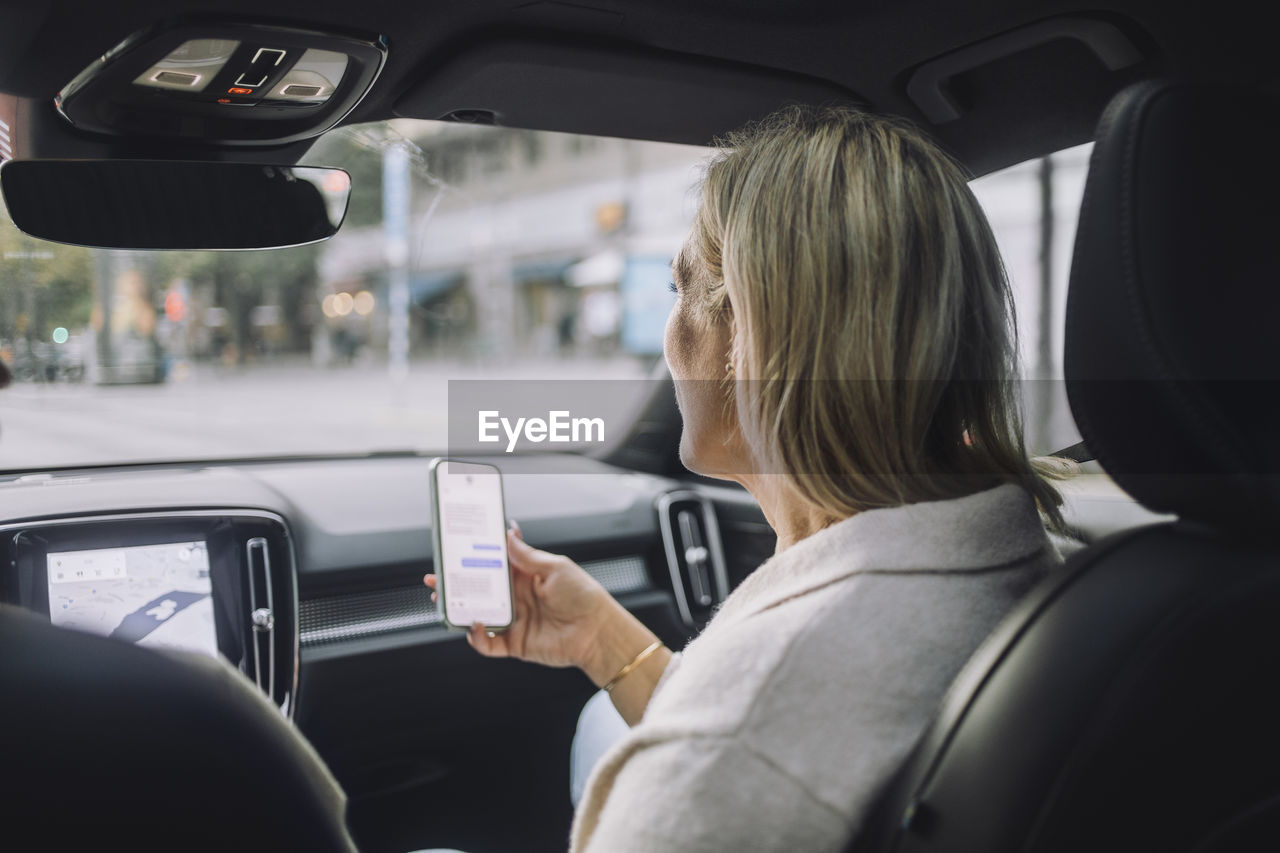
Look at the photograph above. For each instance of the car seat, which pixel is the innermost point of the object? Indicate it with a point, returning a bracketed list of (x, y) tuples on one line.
[(109, 746), (1132, 702)]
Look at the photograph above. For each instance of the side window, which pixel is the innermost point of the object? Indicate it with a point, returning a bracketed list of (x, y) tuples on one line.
[(1033, 208)]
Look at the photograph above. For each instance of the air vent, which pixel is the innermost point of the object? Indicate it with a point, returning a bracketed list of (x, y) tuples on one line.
[(691, 538)]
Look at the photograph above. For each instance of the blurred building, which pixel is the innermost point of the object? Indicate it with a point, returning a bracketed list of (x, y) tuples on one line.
[(528, 243)]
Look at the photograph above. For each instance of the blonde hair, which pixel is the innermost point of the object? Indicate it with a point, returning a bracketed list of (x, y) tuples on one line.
[(872, 317)]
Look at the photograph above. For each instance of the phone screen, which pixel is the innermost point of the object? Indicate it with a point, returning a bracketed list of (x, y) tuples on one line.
[(472, 544)]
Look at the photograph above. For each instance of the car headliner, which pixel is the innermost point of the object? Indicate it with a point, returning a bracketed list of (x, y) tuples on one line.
[(681, 57)]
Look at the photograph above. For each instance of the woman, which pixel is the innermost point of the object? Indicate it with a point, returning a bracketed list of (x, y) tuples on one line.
[(842, 346)]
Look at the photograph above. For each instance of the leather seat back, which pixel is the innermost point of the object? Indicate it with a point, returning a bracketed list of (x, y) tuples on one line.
[(109, 746), (1131, 703)]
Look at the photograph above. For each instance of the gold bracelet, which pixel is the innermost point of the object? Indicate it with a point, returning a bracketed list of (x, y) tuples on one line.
[(639, 659)]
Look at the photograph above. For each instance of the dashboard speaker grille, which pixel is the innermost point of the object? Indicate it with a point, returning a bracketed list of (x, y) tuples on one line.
[(335, 618), (620, 574)]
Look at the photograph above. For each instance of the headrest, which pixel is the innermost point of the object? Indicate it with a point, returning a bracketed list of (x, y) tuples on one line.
[(1173, 314)]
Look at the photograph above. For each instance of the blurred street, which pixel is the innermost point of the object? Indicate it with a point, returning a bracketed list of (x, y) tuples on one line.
[(265, 410)]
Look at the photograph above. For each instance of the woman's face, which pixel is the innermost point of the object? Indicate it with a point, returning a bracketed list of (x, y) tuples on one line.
[(697, 348)]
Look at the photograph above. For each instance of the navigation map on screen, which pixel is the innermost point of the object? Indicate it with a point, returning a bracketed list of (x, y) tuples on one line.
[(152, 595)]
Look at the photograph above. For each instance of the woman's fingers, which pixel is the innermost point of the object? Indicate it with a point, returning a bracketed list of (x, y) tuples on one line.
[(526, 558), (494, 646), (477, 636)]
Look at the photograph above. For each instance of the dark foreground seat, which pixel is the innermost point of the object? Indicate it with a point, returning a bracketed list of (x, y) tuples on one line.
[(108, 746), (1133, 702)]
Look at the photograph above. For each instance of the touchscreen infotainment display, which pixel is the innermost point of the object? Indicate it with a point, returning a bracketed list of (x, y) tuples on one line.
[(153, 595)]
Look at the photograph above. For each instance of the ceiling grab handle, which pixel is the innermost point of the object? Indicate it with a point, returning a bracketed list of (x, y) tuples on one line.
[(927, 87)]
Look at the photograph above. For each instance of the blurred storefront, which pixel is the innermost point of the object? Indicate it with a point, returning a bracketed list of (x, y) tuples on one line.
[(546, 315), (565, 253)]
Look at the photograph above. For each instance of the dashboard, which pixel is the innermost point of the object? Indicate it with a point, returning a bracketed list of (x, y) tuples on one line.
[(307, 576)]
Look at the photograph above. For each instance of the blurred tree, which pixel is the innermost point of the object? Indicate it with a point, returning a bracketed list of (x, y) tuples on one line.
[(46, 285), (359, 152), (42, 286), (244, 280)]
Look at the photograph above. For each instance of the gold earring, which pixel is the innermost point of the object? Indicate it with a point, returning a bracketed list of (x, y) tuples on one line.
[(728, 368)]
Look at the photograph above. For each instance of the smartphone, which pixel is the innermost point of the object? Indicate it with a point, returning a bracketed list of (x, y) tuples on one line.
[(469, 535)]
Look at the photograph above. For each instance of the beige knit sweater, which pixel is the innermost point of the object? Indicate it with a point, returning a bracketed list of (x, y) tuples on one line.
[(775, 728)]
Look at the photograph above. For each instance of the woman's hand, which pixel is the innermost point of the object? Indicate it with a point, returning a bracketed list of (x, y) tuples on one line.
[(559, 609), (564, 617)]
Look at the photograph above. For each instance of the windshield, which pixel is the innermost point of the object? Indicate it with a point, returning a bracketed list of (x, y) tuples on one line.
[(468, 254)]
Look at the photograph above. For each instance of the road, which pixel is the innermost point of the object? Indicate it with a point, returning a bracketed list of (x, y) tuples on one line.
[(265, 410)]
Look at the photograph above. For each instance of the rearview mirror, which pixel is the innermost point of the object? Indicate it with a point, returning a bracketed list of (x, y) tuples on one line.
[(159, 204)]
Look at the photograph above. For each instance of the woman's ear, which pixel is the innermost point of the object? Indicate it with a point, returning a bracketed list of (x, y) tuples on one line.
[(737, 346)]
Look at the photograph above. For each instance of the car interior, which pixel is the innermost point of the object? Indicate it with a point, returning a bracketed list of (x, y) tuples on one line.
[(1127, 704)]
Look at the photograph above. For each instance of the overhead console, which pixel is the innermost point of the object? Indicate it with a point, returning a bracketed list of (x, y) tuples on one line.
[(207, 582), (223, 84), (606, 89)]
